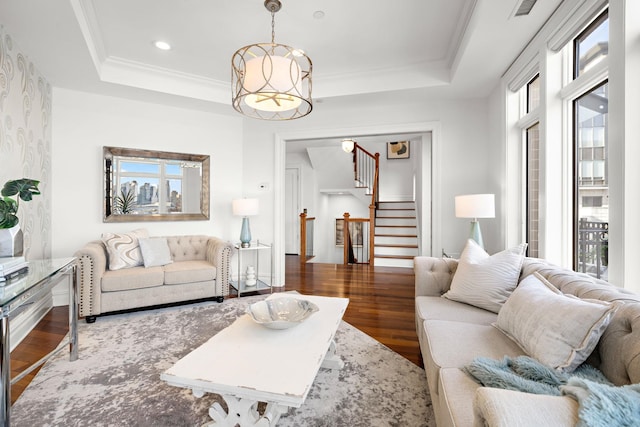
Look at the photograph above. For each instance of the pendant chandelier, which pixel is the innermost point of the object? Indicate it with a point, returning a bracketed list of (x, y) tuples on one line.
[(271, 81)]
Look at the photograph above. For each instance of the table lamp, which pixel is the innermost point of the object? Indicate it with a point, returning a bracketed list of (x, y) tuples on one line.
[(476, 206), (245, 208)]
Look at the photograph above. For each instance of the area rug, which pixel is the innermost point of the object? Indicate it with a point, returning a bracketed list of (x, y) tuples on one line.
[(116, 380)]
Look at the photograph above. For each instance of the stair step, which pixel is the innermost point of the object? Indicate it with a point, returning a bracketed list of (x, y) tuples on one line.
[(391, 245), (394, 256), (396, 235), (396, 205), (396, 221), (396, 251), (396, 240), (395, 213), (393, 262)]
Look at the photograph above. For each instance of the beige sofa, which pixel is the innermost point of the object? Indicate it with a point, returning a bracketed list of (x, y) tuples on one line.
[(199, 269), (452, 334)]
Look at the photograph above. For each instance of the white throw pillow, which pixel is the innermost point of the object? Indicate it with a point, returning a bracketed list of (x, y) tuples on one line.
[(486, 281), (559, 330), (124, 248), (155, 251)]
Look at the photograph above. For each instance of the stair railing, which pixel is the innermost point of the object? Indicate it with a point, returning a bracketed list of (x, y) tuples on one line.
[(306, 236), (366, 167), (355, 235)]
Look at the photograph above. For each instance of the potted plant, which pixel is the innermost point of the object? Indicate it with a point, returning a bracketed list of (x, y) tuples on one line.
[(10, 234)]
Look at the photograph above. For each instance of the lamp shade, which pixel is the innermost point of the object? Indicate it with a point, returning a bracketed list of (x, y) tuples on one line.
[(245, 207), (348, 145), (476, 206)]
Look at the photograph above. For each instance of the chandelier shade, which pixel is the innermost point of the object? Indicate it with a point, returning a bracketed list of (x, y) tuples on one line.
[(271, 81)]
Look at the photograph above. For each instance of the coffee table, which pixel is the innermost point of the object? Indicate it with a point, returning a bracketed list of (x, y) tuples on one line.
[(248, 363)]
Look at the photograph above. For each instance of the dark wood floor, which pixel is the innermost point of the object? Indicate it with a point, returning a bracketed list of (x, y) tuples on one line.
[(381, 304)]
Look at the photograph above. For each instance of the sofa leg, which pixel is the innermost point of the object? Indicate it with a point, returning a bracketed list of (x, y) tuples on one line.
[(90, 319), (219, 299)]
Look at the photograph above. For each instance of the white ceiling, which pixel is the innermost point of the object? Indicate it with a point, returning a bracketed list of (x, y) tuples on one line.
[(457, 48)]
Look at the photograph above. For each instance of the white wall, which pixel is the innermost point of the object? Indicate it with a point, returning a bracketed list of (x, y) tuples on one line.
[(84, 123)]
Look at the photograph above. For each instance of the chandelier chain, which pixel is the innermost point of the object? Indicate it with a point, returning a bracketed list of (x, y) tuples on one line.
[(273, 26)]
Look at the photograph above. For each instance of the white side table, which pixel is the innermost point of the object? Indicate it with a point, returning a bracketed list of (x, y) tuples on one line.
[(255, 268)]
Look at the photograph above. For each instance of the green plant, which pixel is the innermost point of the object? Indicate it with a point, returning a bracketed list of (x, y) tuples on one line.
[(124, 203), (24, 189)]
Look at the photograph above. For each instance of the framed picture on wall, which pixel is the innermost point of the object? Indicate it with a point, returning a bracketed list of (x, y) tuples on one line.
[(398, 150), (355, 232)]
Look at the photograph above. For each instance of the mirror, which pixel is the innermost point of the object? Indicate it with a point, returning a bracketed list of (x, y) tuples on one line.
[(145, 185)]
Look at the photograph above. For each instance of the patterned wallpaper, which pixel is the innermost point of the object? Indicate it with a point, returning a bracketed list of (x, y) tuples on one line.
[(25, 140)]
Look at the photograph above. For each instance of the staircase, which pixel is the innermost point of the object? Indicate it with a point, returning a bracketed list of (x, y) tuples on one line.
[(396, 234)]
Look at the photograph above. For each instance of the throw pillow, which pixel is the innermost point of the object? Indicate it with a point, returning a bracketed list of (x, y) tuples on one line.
[(124, 248), (559, 330), (155, 251), (486, 281)]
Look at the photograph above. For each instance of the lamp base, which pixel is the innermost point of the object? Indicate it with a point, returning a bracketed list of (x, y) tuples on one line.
[(245, 233), (476, 234)]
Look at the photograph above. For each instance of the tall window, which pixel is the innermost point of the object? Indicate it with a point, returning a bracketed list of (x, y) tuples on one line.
[(533, 170), (590, 130)]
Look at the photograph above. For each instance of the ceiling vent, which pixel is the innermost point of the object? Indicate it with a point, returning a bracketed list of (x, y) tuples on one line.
[(525, 7)]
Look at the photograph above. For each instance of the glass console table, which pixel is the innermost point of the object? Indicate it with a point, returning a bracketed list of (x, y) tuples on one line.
[(255, 270), (16, 295)]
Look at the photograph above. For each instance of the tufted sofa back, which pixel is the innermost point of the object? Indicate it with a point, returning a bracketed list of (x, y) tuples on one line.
[(187, 248), (618, 352)]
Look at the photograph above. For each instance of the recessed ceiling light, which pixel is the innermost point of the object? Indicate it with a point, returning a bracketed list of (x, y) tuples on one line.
[(162, 45), (318, 14)]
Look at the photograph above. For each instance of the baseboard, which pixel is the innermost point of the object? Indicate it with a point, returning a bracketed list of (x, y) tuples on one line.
[(23, 323)]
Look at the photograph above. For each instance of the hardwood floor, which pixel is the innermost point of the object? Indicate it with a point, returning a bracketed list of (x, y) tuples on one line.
[(381, 304)]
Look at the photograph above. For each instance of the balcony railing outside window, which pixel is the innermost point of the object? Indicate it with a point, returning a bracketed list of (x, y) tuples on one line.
[(593, 248)]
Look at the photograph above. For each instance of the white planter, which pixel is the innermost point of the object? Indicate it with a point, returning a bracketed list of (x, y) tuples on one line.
[(11, 241)]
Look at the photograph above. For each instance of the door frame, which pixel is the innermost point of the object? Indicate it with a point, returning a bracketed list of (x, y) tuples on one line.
[(280, 142), (298, 196)]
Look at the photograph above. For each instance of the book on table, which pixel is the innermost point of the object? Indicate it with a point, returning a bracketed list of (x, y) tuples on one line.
[(11, 267)]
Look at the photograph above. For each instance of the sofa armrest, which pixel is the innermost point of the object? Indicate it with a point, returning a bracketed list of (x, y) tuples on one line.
[(433, 275), (506, 408), (92, 264), (219, 254)]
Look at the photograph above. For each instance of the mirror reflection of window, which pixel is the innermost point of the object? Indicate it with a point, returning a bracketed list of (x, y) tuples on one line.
[(175, 186)]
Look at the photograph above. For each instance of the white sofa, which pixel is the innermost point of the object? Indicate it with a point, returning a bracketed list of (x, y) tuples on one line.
[(199, 269), (452, 334)]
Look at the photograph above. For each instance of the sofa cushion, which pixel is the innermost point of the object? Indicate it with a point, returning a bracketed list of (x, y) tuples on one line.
[(437, 308), (506, 408), (559, 330), (132, 278), (124, 248), (455, 396), (188, 272), (155, 251), (452, 344), (486, 281)]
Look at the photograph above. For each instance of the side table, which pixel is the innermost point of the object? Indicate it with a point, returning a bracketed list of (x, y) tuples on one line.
[(15, 297), (255, 269)]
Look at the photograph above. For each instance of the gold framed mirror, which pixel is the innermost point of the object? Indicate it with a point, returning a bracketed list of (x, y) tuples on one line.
[(146, 185)]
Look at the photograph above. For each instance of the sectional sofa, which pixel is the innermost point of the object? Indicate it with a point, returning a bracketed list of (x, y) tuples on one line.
[(113, 274), (558, 316)]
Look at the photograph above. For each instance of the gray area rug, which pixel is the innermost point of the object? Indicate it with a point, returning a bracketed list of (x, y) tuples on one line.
[(116, 381)]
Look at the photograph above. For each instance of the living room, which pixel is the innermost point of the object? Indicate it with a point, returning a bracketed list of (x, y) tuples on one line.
[(62, 100)]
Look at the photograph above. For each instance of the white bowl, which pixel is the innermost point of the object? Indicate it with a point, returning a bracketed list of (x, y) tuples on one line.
[(281, 313)]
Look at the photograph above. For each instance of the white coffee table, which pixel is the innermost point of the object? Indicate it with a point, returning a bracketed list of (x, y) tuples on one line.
[(247, 363)]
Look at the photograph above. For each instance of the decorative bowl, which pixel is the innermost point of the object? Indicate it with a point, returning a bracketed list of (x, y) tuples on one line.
[(281, 313)]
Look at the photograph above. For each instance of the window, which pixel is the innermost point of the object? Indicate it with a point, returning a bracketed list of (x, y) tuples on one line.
[(591, 186), (591, 45), (150, 187), (533, 189), (533, 94)]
